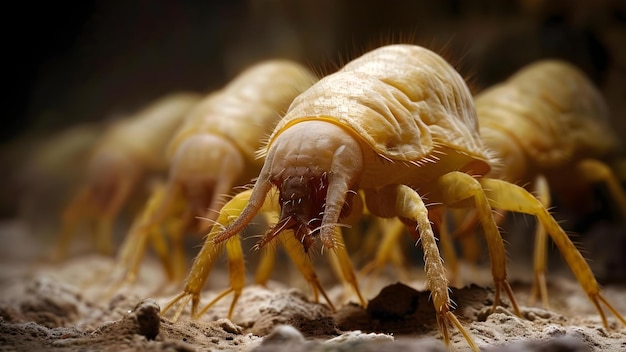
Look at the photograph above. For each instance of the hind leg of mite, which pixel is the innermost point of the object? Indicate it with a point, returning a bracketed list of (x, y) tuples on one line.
[(74, 212), (507, 196), (142, 230), (540, 287), (587, 171), (460, 190), (404, 202), (99, 212), (104, 220), (388, 236), (595, 171)]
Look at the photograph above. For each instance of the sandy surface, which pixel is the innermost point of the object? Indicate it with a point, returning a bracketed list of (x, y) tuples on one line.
[(73, 306)]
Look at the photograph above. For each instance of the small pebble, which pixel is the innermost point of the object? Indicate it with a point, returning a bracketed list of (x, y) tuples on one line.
[(283, 334), (147, 315)]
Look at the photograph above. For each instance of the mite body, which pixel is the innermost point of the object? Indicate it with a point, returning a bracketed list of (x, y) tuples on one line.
[(549, 126), (214, 152), (398, 124), (129, 150), (546, 125), (49, 173)]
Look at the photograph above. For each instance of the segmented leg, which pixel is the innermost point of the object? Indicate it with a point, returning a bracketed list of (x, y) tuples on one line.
[(70, 218), (404, 202), (131, 253), (205, 260), (268, 255), (86, 205), (301, 259), (296, 253), (145, 229), (210, 251), (593, 170), (504, 195), (590, 171), (341, 260), (388, 249), (462, 190), (437, 218), (104, 221), (236, 274), (540, 288)]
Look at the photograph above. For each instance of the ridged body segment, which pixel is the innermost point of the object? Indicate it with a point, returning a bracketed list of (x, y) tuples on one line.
[(552, 110), (247, 109), (401, 113)]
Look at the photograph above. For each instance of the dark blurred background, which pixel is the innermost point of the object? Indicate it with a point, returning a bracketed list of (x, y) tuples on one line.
[(81, 61)]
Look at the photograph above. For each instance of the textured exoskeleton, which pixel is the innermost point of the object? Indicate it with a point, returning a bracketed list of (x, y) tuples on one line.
[(549, 125), (129, 150), (212, 154), (399, 124)]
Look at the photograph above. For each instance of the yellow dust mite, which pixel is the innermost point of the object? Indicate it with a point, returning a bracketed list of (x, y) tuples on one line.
[(213, 152), (549, 125), (128, 151), (399, 124)]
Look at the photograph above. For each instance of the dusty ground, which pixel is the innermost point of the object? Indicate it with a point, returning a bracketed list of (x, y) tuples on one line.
[(70, 306)]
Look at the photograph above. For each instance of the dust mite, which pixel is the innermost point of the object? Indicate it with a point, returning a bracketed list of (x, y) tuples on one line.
[(130, 149), (394, 122), (212, 154), (550, 127), (547, 125)]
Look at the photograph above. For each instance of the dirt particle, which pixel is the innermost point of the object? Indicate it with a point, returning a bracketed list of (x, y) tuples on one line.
[(394, 302), (284, 334), (147, 315), (229, 327)]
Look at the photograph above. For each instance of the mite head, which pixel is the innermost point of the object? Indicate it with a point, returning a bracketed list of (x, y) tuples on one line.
[(302, 201), (316, 166), (204, 168), (111, 174)]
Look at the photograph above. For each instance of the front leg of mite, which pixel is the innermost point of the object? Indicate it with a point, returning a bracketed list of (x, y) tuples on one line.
[(205, 260), (406, 203)]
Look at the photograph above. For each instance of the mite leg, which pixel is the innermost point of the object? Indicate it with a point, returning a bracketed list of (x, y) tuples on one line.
[(466, 234), (104, 221), (268, 254), (70, 218), (300, 258), (341, 260), (462, 190), (205, 260), (407, 204), (236, 274), (593, 170), (504, 195), (175, 228), (542, 192), (437, 218), (388, 249)]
